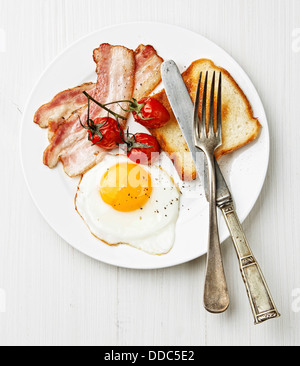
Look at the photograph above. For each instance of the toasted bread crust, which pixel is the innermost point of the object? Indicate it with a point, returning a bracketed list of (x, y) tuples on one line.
[(239, 125)]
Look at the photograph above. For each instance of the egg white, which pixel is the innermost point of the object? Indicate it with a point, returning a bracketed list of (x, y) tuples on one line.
[(151, 228)]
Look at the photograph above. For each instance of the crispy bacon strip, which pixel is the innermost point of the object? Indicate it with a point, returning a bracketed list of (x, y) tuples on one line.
[(81, 157), (148, 75), (62, 105), (115, 70)]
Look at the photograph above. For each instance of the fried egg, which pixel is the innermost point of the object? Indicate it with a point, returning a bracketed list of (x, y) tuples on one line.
[(125, 203)]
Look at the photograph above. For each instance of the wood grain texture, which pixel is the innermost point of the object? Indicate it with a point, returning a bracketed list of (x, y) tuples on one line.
[(57, 296)]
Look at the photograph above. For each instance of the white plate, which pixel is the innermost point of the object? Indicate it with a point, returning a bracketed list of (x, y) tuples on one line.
[(53, 192)]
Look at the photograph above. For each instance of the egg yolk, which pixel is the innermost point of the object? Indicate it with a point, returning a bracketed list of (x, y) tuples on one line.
[(126, 187)]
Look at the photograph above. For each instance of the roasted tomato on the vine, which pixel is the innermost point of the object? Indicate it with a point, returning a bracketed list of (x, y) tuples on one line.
[(104, 132), (142, 148), (150, 113)]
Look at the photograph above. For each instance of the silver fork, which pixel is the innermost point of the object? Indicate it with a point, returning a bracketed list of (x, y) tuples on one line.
[(216, 298)]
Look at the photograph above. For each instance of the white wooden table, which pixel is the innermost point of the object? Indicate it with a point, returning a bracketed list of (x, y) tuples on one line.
[(52, 295)]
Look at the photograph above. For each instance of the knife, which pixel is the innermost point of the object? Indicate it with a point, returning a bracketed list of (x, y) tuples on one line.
[(261, 301)]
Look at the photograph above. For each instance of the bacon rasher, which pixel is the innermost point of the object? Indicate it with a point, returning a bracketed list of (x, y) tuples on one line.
[(62, 105), (69, 141), (147, 76)]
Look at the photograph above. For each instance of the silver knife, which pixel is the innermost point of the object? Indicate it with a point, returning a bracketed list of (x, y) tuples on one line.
[(261, 301)]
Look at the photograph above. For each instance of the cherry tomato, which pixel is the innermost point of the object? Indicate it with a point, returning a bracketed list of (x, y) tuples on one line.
[(153, 114), (143, 149), (105, 133)]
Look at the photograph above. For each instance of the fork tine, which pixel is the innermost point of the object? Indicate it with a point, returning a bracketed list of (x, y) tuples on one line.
[(219, 109), (197, 122), (211, 108), (203, 114)]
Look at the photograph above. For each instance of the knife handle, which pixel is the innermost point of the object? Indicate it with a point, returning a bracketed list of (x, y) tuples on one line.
[(262, 304)]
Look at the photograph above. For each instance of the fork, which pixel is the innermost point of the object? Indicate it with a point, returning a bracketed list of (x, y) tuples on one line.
[(216, 298)]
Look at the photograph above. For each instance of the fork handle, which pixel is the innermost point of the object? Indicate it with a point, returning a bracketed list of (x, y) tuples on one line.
[(262, 304), (216, 298)]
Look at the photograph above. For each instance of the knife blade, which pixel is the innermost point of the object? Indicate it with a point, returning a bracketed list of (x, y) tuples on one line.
[(260, 298), (183, 109)]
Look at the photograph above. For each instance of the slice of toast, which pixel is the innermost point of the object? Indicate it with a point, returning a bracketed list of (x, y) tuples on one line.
[(239, 126)]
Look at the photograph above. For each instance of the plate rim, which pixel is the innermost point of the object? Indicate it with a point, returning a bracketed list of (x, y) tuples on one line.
[(234, 62)]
